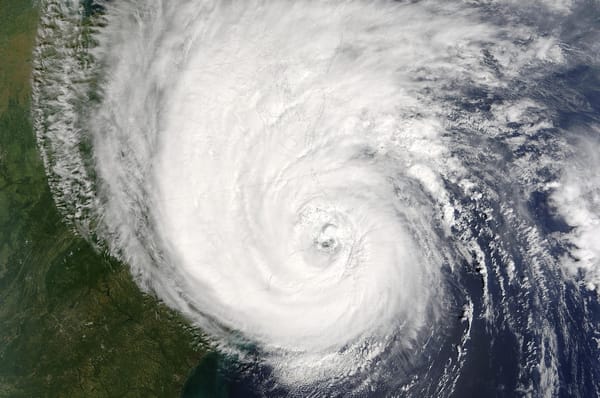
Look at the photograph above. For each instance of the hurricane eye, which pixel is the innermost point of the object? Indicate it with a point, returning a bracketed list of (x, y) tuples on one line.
[(326, 241)]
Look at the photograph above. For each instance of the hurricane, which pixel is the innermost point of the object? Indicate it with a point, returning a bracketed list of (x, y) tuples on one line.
[(350, 198)]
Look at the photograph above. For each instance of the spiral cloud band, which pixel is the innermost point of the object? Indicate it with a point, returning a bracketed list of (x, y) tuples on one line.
[(305, 176)]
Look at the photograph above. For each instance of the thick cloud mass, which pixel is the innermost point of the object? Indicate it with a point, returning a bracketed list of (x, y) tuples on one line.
[(343, 185)]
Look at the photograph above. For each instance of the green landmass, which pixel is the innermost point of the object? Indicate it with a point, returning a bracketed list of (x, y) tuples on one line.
[(72, 322)]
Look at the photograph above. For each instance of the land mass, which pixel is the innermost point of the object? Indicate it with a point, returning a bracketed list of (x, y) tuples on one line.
[(72, 321)]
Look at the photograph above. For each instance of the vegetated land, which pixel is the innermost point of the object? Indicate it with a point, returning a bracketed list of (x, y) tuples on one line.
[(72, 322)]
